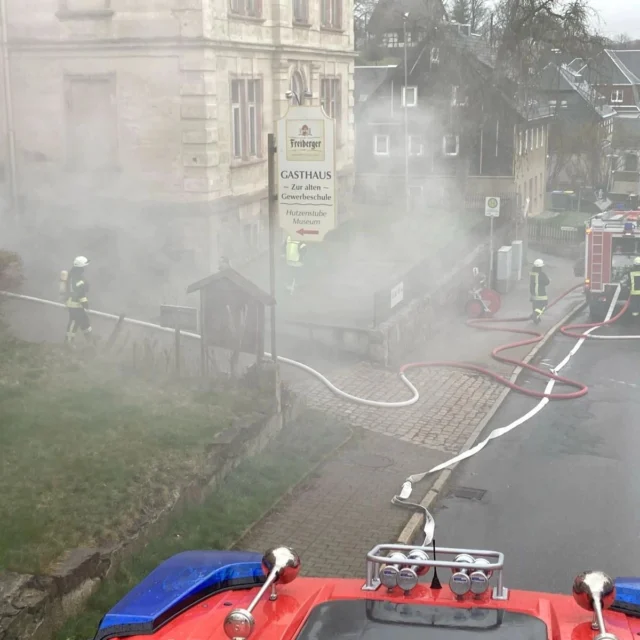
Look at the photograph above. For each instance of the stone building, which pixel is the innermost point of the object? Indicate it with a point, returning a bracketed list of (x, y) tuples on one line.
[(150, 117)]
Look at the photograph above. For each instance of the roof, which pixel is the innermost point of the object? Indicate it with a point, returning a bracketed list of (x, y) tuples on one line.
[(564, 78), (368, 79), (612, 67), (238, 280), (388, 14), (630, 61)]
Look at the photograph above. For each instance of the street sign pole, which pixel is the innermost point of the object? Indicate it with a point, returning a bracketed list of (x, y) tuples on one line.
[(272, 195), (491, 254), (273, 212), (491, 210)]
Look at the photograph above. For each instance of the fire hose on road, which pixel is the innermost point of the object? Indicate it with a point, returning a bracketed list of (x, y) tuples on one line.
[(569, 330), (579, 331)]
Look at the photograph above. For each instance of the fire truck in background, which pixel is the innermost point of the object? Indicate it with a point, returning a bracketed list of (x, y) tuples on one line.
[(612, 241)]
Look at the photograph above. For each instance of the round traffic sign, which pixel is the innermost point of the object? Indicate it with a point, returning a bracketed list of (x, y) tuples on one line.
[(492, 203)]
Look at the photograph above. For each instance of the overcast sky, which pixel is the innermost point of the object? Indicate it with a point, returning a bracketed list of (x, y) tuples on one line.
[(618, 16)]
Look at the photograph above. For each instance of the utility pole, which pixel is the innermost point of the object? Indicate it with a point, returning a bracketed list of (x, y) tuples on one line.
[(271, 189), (8, 103), (406, 120)]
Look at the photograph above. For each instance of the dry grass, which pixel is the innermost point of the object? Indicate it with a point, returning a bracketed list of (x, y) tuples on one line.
[(85, 452)]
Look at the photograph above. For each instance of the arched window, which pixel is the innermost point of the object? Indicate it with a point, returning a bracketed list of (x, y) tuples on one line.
[(297, 88)]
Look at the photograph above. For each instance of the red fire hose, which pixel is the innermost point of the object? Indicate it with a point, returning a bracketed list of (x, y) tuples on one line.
[(486, 324)]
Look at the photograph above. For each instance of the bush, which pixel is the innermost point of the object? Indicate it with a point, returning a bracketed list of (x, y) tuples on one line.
[(10, 271)]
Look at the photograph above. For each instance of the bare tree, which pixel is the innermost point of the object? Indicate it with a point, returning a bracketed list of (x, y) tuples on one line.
[(460, 11), (478, 13), (529, 32)]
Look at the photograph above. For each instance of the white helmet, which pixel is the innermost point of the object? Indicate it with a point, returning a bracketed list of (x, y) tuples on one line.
[(538, 263), (80, 261), (637, 260)]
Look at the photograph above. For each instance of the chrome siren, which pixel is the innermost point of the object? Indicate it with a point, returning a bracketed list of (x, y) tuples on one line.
[(281, 565), (595, 591)]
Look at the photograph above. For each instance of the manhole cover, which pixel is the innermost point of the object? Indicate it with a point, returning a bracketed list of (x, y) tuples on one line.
[(468, 493), (371, 461)]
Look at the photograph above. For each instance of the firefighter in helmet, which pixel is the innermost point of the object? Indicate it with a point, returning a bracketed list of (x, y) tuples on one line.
[(634, 288), (77, 302), (538, 283), (294, 252)]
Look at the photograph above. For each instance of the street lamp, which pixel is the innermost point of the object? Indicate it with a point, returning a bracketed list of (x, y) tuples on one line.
[(405, 17)]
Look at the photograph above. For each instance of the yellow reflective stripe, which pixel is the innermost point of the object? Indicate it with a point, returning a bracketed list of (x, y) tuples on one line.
[(83, 300), (632, 277)]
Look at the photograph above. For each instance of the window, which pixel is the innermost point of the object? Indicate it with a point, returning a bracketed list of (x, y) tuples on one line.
[(537, 137), (552, 106), (542, 137), (331, 13), (520, 143), (390, 40), (331, 103), (297, 88), (416, 148), (409, 96), (381, 145), (246, 118), (450, 145), (535, 189), (250, 8), (434, 60), (617, 95), (301, 11), (526, 140), (541, 186), (92, 130), (563, 104)]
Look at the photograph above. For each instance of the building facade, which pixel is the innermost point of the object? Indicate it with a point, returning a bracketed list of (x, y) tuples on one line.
[(126, 111), (530, 164)]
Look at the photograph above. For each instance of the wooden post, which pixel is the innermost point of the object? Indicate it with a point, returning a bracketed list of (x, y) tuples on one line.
[(204, 365), (116, 331), (177, 350), (273, 212)]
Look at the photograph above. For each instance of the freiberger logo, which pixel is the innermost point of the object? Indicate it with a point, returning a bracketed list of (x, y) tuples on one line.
[(305, 140)]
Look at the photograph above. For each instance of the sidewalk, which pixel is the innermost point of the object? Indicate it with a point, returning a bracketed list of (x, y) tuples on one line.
[(344, 509)]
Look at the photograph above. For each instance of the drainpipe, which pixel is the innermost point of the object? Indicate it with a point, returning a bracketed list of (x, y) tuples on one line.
[(8, 102)]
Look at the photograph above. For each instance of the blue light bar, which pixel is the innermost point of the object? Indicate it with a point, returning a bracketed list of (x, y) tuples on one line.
[(177, 584), (627, 596)]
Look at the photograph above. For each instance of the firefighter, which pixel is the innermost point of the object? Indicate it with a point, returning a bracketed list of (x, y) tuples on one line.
[(294, 252), (77, 302), (538, 283), (634, 288)]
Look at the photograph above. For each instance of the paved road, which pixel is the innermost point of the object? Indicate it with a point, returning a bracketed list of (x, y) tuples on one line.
[(562, 491)]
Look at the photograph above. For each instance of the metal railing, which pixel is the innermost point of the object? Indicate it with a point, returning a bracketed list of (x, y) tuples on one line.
[(555, 238)]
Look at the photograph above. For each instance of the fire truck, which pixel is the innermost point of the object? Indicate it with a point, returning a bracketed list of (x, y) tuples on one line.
[(612, 241)]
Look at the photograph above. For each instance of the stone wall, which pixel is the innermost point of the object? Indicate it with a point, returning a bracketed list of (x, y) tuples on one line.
[(34, 606)]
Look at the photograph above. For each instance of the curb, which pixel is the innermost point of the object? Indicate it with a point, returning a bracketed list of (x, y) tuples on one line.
[(409, 530)]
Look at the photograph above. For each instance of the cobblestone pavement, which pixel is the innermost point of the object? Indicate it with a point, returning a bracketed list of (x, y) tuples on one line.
[(340, 513), (450, 402), (344, 510)]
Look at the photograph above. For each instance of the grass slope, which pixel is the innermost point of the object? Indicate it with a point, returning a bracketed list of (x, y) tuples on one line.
[(247, 494), (84, 452)]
